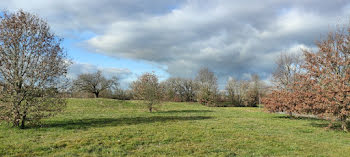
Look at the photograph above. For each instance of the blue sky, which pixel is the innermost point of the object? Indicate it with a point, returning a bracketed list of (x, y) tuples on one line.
[(79, 54), (175, 38), (82, 55)]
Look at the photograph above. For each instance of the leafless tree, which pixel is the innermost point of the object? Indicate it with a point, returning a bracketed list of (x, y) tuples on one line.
[(254, 92), (190, 88), (245, 92), (172, 89), (32, 64), (208, 87), (179, 89), (231, 89), (288, 65), (95, 83), (243, 87)]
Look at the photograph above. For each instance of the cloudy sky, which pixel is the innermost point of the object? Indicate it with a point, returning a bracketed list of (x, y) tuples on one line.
[(177, 37)]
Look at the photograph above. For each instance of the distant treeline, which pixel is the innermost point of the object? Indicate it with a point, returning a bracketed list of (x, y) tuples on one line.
[(203, 88)]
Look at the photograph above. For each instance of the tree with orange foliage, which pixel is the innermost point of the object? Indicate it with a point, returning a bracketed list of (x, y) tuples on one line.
[(285, 76), (322, 88), (328, 74)]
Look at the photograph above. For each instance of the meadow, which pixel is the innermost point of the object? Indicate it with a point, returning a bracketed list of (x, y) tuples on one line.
[(107, 127)]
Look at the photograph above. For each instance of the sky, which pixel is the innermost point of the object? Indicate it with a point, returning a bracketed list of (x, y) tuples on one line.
[(175, 38)]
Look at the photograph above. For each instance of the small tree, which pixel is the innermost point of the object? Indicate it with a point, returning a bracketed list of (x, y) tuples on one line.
[(147, 88), (208, 88), (32, 64), (95, 83)]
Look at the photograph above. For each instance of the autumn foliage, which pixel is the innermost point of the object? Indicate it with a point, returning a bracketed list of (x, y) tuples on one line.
[(322, 86)]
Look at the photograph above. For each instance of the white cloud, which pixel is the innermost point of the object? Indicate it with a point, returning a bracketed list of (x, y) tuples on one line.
[(232, 37)]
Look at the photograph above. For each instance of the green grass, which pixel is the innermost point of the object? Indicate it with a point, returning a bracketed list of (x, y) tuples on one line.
[(103, 127)]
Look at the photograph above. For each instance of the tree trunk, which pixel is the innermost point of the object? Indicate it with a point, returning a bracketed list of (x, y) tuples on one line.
[(150, 108), (96, 94), (344, 123), (16, 115), (344, 126), (23, 121)]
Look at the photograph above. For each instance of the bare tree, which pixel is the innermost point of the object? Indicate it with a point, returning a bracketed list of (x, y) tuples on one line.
[(254, 92), (147, 88), (173, 90), (208, 88), (32, 63), (245, 92), (190, 88), (180, 89), (288, 66), (231, 89), (242, 90), (95, 83)]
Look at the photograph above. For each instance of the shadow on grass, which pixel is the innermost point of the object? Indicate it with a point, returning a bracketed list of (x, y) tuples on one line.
[(296, 118), (105, 122), (326, 125), (184, 111), (316, 122)]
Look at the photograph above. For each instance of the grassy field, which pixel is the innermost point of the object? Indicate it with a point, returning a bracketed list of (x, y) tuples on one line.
[(103, 127)]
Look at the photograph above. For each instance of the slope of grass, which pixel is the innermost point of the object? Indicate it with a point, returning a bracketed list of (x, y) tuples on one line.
[(103, 127)]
